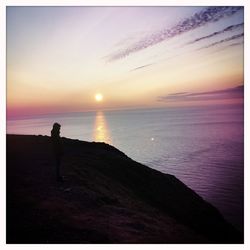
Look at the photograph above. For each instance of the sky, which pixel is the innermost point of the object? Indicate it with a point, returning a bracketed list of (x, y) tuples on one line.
[(59, 58)]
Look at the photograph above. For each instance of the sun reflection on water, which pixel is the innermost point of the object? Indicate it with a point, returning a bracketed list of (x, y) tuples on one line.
[(101, 132)]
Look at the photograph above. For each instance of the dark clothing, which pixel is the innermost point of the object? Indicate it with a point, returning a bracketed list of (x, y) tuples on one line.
[(56, 141), (58, 150)]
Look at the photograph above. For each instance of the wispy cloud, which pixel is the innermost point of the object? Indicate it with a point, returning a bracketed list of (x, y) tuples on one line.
[(229, 28), (238, 36), (177, 94), (207, 15), (226, 46), (236, 44), (141, 67), (229, 93)]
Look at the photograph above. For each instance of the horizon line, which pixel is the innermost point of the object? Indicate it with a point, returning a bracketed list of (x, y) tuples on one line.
[(30, 116)]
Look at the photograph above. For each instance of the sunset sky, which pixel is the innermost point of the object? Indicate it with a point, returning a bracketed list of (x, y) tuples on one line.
[(59, 58)]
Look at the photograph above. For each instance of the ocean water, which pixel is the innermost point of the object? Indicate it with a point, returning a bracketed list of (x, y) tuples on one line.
[(201, 146)]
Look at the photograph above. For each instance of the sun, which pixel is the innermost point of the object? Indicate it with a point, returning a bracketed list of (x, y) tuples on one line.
[(98, 97)]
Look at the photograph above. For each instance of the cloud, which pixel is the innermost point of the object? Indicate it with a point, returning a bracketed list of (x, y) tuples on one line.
[(229, 28), (177, 94), (206, 15), (141, 67), (223, 41), (236, 44), (229, 93)]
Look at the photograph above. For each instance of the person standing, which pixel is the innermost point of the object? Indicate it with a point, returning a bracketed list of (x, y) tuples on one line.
[(58, 149)]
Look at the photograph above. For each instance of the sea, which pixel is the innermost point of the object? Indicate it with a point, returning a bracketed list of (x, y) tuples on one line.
[(201, 146)]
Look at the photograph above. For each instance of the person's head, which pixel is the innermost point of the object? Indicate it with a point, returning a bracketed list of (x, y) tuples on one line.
[(56, 126)]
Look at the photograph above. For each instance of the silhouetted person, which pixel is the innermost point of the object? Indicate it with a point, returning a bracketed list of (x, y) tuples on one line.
[(58, 149)]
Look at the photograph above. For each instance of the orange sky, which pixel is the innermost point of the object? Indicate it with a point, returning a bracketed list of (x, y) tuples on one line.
[(59, 58)]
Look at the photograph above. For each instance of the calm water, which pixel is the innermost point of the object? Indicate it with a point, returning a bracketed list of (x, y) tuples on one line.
[(203, 147)]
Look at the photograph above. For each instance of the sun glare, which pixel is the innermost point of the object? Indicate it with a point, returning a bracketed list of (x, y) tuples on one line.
[(98, 97)]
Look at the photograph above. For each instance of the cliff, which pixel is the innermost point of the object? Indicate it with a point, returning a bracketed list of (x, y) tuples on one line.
[(106, 198)]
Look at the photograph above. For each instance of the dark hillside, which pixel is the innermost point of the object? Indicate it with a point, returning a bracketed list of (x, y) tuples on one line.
[(106, 198)]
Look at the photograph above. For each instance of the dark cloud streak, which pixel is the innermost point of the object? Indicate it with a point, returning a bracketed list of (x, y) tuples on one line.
[(207, 15), (229, 93), (229, 28), (223, 41), (141, 67), (236, 44)]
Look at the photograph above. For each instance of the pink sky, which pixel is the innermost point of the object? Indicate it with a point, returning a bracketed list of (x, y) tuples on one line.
[(58, 58)]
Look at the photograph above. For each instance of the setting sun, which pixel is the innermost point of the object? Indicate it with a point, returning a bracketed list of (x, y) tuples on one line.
[(98, 97)]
